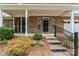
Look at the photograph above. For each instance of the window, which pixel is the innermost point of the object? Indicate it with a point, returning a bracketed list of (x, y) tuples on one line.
[(19, 24)]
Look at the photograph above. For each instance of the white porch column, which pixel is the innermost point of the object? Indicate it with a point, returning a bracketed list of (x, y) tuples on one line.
[(1, 19), (26, 19), (72, 21)]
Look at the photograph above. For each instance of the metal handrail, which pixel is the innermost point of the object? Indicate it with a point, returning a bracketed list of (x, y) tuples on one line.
[(64, 31), (69, 37)]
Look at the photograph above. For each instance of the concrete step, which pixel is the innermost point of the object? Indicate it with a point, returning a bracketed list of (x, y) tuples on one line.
[(48, 35), (51, 38), (57, 48), (54, 42), (60, 54)]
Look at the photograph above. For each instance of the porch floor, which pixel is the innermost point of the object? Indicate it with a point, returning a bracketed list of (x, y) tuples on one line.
[(46, 35)]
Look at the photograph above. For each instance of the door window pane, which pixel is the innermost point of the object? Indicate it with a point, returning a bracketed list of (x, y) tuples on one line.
[(17, 21), (23, 24), (19, 24), (23, 29), (16, 30), (23, 21)]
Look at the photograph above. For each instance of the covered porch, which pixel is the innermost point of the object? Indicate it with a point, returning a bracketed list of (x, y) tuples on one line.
[(27, 19)]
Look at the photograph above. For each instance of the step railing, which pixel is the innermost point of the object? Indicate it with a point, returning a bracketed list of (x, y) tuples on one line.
[(68, 39)]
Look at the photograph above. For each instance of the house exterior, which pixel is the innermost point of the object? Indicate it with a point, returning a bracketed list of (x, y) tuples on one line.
[(31, 18)]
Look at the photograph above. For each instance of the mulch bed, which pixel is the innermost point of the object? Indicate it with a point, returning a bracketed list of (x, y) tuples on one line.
[(2, 47), (40, 51), (35, 50)]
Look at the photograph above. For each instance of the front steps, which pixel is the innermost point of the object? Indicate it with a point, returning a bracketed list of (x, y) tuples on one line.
[(57, 48), (51, 38), (55, 45), (54, 42), (60, 54)]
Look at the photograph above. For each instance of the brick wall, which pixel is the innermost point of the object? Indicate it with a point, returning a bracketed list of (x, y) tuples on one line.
[(34, 20)]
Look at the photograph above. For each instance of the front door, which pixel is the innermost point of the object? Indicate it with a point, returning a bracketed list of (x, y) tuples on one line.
[(45, 25), (19, 25)]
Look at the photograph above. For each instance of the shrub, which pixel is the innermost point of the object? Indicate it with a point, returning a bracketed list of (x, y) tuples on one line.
[(65, 41), (6, 33), (71, 37), (4, 41), (41, 43), (68, 43), (71, 45), (37, 36), (18, 47), (19, 40), (34, 42)]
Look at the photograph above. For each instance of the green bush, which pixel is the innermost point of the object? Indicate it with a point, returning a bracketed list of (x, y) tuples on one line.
[(6, 33), (65, 41), (41, 43), (4, 41), (68, 43), (37, 36), (34, 42), (71, 37)]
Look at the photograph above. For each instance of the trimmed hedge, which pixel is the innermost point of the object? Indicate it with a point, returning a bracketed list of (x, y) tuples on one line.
[(6, 33)]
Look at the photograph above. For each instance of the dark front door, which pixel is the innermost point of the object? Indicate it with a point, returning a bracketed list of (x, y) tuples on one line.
[(45, 25)]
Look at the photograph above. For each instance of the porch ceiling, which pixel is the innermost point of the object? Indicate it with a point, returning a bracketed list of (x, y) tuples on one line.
[(42, 6), (15, 12), (38, 9), (46, 12), (35, 12)]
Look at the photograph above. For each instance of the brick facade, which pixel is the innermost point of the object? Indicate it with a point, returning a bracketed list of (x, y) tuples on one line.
[(34, 21)]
